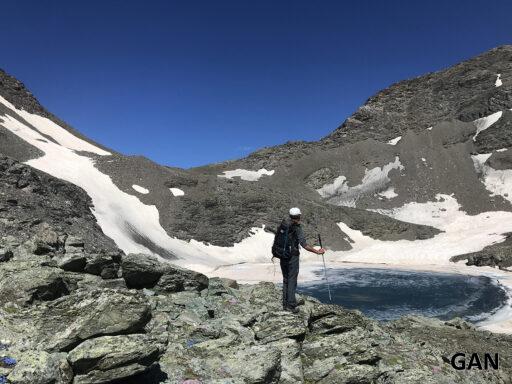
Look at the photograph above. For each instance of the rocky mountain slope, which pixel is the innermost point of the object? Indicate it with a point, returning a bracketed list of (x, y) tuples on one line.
[(412, 143), (75, 309), (183, 205)]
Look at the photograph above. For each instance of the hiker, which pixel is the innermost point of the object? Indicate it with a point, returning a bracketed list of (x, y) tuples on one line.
[(286, 247)]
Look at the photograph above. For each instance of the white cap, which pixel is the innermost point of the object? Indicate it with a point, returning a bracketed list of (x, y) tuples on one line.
[(295, 212)]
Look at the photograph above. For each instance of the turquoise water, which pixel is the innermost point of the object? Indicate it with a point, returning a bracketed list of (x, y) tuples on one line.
[(389, 294)]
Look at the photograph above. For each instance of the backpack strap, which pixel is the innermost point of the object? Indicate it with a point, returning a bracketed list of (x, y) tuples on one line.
[(286, 239)]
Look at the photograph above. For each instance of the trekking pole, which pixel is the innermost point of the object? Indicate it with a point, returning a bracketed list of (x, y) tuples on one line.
[(325, 270)]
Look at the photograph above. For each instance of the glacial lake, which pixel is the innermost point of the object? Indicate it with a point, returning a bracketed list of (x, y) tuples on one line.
[(386, 295)]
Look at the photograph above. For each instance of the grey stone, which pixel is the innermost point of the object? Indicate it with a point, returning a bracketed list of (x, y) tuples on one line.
[(141, 270), (102, 265), (92, 313), (176, 279), (73, 262), (24, 283), (5, 255), (74, 244), (40, 367), (100, 359)]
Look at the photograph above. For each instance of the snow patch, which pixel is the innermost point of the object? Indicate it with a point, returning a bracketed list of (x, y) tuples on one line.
[(59, 134), (176, 191), (429, 128), (485, 122), (501, 150), (497, 181), (140, 189), (479, 161), (338, 192), (247, 175), (394, 141), (498, 82), (434, 213), (462, 234), (388, 193)]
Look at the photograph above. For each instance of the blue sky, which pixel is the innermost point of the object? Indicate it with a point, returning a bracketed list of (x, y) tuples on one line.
[(187, 83)]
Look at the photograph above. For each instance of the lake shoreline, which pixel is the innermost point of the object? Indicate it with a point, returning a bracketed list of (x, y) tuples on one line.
[(310, 271)]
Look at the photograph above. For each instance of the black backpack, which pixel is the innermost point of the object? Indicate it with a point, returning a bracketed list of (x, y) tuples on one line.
[(281, 248)]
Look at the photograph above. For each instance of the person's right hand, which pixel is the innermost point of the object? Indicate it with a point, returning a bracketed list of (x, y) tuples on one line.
[(321, 251)]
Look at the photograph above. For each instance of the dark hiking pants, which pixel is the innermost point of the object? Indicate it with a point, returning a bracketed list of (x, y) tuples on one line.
[(290, 270)]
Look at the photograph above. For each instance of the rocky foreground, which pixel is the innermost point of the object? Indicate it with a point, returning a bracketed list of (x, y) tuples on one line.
[(158, 324), (75, 309)]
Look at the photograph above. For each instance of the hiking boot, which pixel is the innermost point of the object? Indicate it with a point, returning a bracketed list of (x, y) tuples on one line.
[(292, 309)]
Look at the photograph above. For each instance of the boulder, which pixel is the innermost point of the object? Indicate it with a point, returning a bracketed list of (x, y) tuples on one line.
[(229, 283), (40, 367), (146, 271), (279, 325), (68, 321), (103, 265), (74, 244), (72, 262), (26, 282), (291, 364), (141, 270), (327, 321), (216, 286), (5, 254), (104, 358), (176, 279), (243, 364), (46, 240)]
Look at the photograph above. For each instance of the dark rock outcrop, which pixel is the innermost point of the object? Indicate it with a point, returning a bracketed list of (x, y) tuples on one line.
[(495, 255)]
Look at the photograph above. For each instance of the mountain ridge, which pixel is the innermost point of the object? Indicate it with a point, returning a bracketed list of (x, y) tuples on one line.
[(365, 181)]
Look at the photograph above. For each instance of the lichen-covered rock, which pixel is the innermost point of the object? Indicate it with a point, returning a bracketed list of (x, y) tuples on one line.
[(141, 270), (46, 240), (104, 265), (291, 364), (176, 279), (279, 325), (89, 313), (40, 367), (74, 244), (246, 364), (330, 319), (216, 286), (5, 254), (230, 283), (72, 262), (145, 271), (27, 282), (100, 359)]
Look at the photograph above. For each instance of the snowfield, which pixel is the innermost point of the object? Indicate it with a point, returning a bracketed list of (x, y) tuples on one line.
[(395, 140), (498, 82), (176, 192), (485, 122), (57, 133), (499, 182), (140, 189), (338, 192), (247, 175), (388, 193)]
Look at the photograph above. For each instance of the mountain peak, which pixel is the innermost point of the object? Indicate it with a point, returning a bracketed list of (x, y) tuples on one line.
[(465, 91)]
